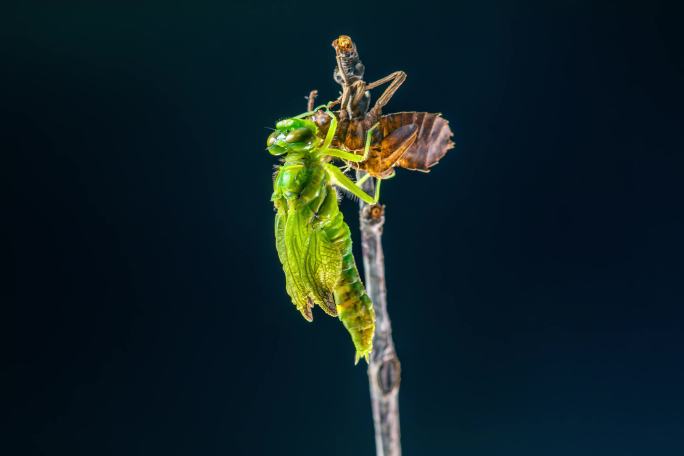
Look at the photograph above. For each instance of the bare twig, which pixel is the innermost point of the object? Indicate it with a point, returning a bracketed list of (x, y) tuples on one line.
[(384, 370)]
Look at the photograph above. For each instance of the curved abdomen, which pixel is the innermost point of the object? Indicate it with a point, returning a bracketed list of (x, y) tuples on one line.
[(354, 307), (314, 245)]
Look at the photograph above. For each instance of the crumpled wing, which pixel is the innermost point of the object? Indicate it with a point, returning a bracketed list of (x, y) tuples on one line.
[(295, 284), (324, 256), (312, 264), (324, 265)]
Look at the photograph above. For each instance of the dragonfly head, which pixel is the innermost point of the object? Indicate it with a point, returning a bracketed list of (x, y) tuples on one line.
[(292, 135)]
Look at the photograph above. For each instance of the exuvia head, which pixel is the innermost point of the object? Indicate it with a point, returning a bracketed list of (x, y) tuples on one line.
[(292, 135), (349, 67), (344, 45)]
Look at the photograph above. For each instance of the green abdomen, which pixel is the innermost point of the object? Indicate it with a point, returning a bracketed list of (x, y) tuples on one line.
[(354, 307), (314, 245)]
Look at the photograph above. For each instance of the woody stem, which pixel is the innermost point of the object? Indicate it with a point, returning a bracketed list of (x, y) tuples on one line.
[(384, 369)]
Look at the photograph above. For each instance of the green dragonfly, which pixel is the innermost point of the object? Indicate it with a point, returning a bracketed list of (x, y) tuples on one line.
[(313, 241)]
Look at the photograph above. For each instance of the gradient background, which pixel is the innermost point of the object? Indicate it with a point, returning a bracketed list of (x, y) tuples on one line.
[(535, 276)]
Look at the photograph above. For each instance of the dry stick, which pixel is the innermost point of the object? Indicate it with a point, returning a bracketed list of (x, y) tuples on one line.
[(384, 370)]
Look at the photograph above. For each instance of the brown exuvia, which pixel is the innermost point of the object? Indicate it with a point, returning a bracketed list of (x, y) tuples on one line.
[(411, 140)]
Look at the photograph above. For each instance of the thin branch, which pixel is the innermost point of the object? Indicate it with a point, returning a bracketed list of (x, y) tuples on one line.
[(384, 369)]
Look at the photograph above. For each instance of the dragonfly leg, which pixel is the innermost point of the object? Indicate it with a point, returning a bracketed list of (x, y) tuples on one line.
[(344, 155), (330, 135), (394, 173), (346, 168), (363, 179), (341, 180), (310, 113), (334, 103), (369, 138)]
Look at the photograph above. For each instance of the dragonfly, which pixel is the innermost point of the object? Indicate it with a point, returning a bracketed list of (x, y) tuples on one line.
[(411, 140), (312, 239)]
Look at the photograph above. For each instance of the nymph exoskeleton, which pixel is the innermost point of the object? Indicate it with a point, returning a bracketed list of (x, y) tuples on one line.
[(312, 239), (410, 140)]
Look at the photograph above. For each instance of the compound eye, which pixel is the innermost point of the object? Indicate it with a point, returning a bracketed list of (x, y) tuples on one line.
[(276, 150), (272, 138), (299, 135), (284, 124)]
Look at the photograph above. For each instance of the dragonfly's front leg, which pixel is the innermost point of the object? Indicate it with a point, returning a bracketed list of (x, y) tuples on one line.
[(369, 139), (346, 183), (348, 163), (350, 156), (344, 155)]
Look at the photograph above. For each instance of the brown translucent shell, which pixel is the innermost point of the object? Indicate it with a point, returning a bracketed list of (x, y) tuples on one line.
[(412, 140), (433, 138)]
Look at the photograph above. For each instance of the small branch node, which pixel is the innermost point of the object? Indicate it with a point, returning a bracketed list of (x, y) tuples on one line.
[(376, 211), (389, 376)]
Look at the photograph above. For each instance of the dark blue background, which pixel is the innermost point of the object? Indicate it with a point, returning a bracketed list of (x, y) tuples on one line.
[(535, 276)]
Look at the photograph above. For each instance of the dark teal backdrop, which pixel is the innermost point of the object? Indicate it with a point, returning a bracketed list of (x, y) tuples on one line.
[(535, 276)]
